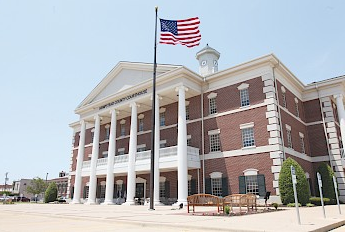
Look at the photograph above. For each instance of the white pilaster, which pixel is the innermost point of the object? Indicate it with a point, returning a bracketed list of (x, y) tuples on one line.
[(94, 157), (131, 174), (182, 148), (110, 162), (341, 114), (80, 156), (157, 153)]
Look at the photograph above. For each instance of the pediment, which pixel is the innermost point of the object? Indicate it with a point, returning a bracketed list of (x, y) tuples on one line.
[(124, 75)]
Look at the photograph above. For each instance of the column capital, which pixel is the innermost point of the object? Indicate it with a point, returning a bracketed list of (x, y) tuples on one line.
[(82, 121), (181, 87), (114, 110), (132, 104), (159, 97), (339, 95)]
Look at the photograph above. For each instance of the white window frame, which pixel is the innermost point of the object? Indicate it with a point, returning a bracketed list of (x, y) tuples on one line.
[(289, 136), (214, 140), (297, 107), (122, 129), (121, 151), (248, 134), (163, 143), (105, 154), (162, 119), (216, 183), (284, 101), (107, 127), (302, 143), (141, 148)]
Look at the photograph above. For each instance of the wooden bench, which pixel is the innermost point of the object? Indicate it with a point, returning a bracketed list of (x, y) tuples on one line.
[(203, 200), (240, 200)]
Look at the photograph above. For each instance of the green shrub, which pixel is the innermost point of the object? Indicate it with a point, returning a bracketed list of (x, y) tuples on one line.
[(285, 183), (293, 205), (227, 209), (327, 181), (51, 193), (317, 201), (310, 205), (275, 205)]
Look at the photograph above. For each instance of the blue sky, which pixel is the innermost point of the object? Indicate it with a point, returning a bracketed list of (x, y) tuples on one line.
[(53, 53)]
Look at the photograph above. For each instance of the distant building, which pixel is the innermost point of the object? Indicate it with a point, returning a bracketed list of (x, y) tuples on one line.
[(7, 188), (19, 187), (61, 182), (217, 132)]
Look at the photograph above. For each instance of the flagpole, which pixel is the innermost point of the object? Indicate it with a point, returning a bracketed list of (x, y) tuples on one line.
[(153, 123)]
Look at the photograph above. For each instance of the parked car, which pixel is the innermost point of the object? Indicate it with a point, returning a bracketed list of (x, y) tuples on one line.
[(22, 199)]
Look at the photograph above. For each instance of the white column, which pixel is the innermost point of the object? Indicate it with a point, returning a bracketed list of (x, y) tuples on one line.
[(94, 157), (80, 156), (341, 114), (110, 160), (182, 148), (131, 174), (157, 153)]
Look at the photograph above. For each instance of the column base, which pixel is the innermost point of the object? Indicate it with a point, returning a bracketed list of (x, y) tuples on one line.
[(128, 203), (105, 203), (75, 202), (91, 203)]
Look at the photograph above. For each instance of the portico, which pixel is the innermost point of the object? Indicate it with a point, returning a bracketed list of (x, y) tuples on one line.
[(129, 105)]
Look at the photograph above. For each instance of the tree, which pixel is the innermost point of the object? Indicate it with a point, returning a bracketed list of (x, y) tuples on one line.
[(286, 186), (51, 193), (327, 181), (37, 186)]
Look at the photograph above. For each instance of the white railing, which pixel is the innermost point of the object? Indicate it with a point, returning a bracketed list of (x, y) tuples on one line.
[(192, 154)]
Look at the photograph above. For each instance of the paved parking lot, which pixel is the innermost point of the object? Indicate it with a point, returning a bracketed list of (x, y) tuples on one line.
[(97, 218)]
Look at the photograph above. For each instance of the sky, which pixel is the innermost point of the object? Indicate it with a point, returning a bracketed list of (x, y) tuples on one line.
[(53, 53)]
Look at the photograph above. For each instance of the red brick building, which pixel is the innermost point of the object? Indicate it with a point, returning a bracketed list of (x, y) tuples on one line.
[(218, 132)]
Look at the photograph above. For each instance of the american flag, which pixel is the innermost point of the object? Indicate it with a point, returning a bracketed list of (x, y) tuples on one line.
[(183, 32)]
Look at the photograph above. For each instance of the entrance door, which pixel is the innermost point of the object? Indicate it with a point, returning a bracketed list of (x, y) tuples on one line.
[(140, 190)]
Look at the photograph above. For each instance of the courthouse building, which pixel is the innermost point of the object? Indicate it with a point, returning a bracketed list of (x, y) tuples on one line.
[(217, 132)]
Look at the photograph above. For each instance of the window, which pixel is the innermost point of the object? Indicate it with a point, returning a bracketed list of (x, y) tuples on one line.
[(187, 112), (102, 190), (107, 132), (248, 137), (302, 144), (284, 104), (214, 140), (122, 129), (244, 97), (162, 189), (86, 191), (104, 154), (216, 186), (297, 107), (189, 187), (92, 135), (189, 142), (289, 138), (119, 188), (162, 119), (212, 105), (140, 125), (251, 184)]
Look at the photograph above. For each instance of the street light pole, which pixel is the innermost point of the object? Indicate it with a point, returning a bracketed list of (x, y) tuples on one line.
[(6, 181)]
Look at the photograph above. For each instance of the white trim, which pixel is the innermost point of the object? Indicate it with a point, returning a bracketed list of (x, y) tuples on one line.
[(250, 171), (93, 130), (107, 126), (283, 89), (103, 183), (307, 175), (118, 182), (162, 110), (87, 184), (301, 135), (141, 116), (188, 137), (187, 103), (288, 127), (162, 179), (121, 149), (215, 175), (213, 132), (141, 180), (243, 86), (247, 125), (212, 95), (141, 146), (122, 121), (163, 142), (296, 100), (189, 177)]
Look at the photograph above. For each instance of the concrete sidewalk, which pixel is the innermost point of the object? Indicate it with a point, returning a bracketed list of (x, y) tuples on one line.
[(96, 218)]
